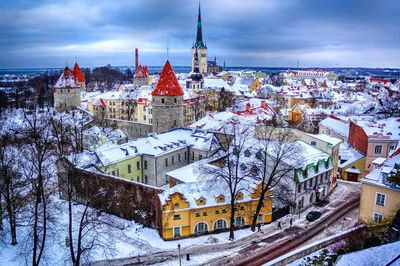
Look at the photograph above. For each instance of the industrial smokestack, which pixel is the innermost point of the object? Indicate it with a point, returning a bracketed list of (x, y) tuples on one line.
[(136, 58)]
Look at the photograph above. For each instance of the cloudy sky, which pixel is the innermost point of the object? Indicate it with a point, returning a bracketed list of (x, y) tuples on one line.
[(324, 33)]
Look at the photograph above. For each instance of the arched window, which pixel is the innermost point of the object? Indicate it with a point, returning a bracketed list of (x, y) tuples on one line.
[(220, 224), (239, 221), (201, 228)]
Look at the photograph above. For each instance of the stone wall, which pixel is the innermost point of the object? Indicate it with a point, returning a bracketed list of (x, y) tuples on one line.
[(167, 113), (132, 129), (121, 197), (66, 99)]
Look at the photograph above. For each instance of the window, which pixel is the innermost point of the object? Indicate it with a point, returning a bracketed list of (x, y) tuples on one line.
[(162, 100), (175, 100), (204, 213), (239, 221), (378, 217), (138, 165), (200, 157), (177, 231), (173, 160), (305, 185), (247, 153), (313, 143), (312, 198), (145, 164), (380, 199), (201, 228), (224, 211), (145, 179), (216, 212), (185, 154), (197, 214), (177, 217), (144, 117), (138, 179), (241, 208), (391, 147), (166, 162), (310, 182), (179, 157), (299, 188), (129, 168), (220, 224), (378, 149), (176, 205), (113, 172)]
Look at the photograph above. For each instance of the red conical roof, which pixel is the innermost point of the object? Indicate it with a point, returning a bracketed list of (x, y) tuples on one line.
[(78, 73), (167, 84)]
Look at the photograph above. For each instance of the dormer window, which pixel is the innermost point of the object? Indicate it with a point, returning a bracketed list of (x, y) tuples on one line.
[(259, 155), (201, 201), (247, 153), (239, 196), (221, 198), (243, 167)]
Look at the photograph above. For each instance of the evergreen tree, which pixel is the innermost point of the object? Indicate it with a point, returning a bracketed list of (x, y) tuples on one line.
[(394, 176)]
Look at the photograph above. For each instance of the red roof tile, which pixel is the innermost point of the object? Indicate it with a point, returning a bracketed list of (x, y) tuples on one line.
[(167, 84), (77, 72)]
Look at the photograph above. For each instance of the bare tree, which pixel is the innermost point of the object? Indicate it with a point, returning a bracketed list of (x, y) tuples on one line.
[(277, 156), (228, 170), (37, 156), (12, 185), (388, 106), (83, 239)]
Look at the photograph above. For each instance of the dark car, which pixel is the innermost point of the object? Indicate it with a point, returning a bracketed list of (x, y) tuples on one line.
[(313, 215)]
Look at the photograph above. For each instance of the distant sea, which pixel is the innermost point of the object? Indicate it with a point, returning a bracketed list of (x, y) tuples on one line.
[(377, 72)]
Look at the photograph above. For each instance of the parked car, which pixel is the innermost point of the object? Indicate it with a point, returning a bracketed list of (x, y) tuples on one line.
[(313, 215)]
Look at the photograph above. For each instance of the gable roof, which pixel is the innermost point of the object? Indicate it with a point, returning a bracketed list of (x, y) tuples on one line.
[(167, 84)]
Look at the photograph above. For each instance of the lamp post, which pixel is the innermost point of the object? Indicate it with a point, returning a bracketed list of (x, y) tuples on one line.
[(179, 254)]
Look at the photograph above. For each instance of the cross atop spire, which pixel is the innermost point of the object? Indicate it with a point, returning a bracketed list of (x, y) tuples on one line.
[(199, 36)]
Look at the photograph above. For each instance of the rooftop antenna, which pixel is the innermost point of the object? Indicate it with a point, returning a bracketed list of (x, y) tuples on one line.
[(76, 59), (167, 48)]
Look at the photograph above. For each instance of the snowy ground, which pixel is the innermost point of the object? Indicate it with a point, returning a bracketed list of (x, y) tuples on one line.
[(124, 238)]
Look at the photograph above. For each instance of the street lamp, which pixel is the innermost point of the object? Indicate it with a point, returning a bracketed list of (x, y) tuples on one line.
[(179, 254)]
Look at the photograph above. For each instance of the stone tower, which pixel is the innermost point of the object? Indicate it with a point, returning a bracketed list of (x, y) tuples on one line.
[(200, 47), (67, 92), (79, 77), (167, 101)]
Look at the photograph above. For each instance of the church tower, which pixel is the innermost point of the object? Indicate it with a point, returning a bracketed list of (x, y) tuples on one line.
[(200, 47), (195, 78), (167, 101)]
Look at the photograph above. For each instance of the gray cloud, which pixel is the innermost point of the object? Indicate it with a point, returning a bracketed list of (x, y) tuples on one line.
[(248, 33)]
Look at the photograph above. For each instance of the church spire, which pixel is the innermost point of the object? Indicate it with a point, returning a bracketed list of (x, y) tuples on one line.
[(199, 36)]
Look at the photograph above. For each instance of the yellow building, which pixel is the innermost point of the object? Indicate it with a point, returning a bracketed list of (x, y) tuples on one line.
[(380, 199), (188, 212)]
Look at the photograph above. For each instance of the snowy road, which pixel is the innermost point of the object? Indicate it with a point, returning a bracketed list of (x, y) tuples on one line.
[(219, 253)]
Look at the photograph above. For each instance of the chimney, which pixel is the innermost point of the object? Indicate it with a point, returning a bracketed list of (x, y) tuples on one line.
[(263, 105), (136, 58)]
